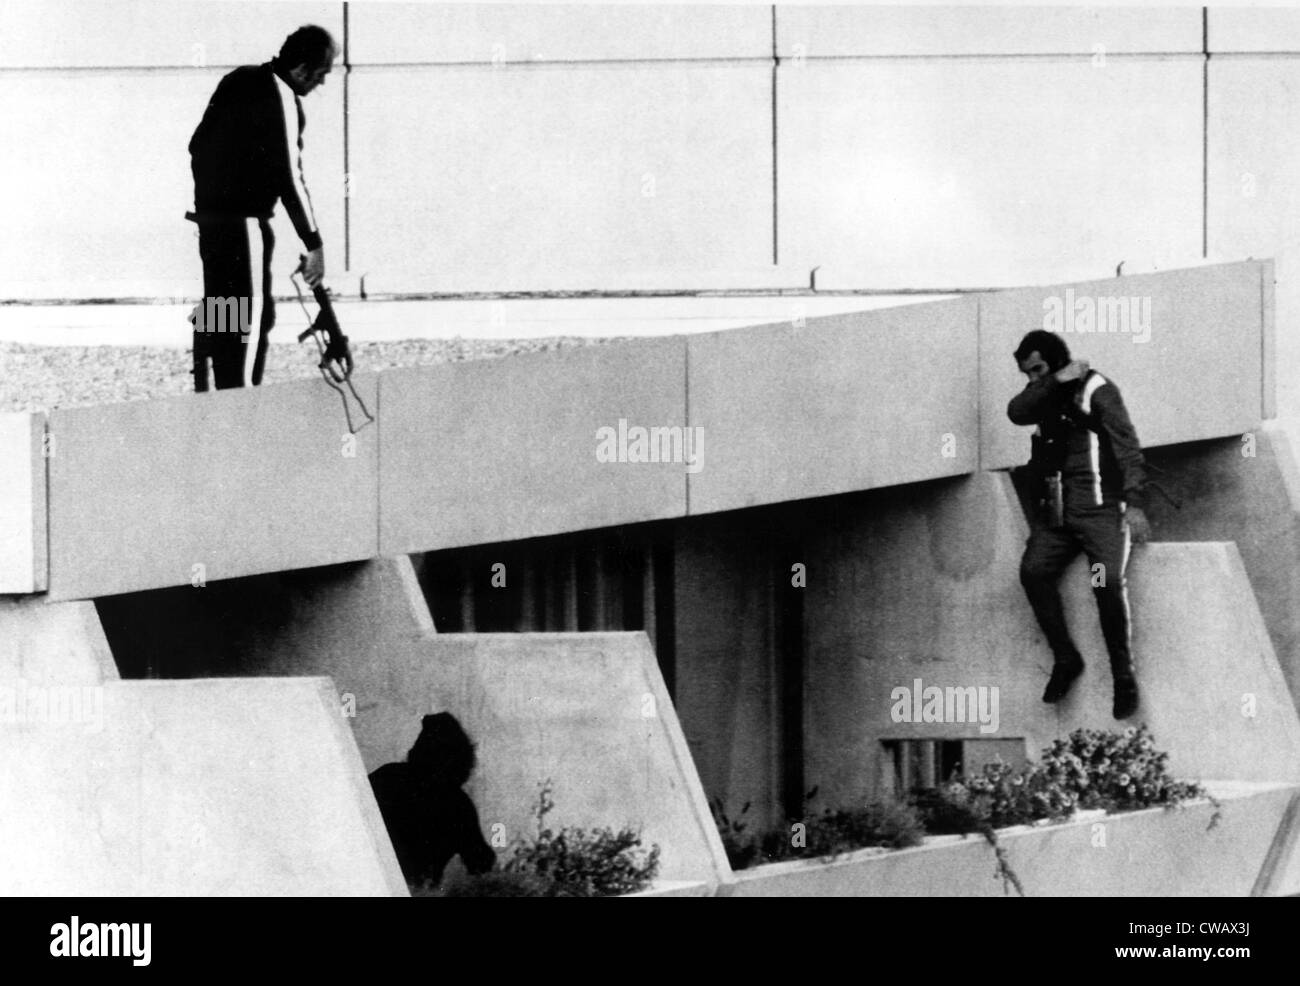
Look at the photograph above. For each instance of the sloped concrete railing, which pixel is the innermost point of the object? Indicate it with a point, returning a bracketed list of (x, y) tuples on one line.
[(168, 492)]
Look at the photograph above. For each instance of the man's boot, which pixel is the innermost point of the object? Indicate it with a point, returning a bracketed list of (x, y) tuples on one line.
[(1064, 671), (1126, 691)]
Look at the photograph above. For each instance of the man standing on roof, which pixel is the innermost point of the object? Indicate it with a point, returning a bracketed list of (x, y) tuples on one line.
[(245, 155), (1088, 468)]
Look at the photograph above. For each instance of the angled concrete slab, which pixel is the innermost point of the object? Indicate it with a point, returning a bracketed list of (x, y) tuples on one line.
[(588, 712), (50, 642), (193, 788), (24, 563)]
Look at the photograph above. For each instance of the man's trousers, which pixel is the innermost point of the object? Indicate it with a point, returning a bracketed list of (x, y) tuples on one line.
[(236, 283), (1103, 535)]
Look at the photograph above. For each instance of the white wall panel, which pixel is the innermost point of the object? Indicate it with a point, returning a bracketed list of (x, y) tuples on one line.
[(524, 169), (944, 169), (97, 176), (157, 33), (901, 29), (1246, 28), (422, 33), (1254, 156)]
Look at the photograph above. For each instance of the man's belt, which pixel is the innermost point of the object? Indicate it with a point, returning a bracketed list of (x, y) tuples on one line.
[(224, 217)]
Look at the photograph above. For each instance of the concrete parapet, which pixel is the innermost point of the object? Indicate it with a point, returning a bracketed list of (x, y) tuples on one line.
[(203, 788)]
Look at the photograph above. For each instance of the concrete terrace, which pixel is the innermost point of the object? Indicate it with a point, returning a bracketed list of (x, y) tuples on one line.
[(127, 525)]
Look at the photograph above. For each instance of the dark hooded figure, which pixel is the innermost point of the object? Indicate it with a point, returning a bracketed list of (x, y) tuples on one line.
[(429, 818)]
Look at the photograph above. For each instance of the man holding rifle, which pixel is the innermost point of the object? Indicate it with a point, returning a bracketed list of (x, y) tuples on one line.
[(245, 155)]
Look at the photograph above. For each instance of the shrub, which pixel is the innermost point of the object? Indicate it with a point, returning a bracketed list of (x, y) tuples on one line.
[(893, 826), (836, 831), (1090, 769), (741, 849), (1116, 771), (578, 862)]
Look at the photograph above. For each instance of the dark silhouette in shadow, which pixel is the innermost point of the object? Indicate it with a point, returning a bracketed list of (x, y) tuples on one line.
[(429, 818)]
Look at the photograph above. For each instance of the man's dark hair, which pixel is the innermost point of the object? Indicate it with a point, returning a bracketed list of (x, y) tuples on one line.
[(1048, 345), (309, 45)]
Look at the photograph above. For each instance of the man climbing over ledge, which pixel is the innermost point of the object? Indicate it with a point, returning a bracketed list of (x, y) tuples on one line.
[(245, 155), (1087, 468)]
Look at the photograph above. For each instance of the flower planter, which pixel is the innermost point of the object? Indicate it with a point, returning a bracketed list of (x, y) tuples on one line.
[(1152, 852)]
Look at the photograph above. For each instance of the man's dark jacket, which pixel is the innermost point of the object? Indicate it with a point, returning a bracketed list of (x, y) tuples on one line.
[(1084, 433), (245, 154)]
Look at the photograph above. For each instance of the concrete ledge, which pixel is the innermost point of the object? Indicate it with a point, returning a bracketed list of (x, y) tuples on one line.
[(24, 561), (1156, 852), (675, 888), (53, 643), (609, 281), (795, 411), (498, 450), (58, 292), (240, 482), (1197, 318), (193, 788), (975, 274)]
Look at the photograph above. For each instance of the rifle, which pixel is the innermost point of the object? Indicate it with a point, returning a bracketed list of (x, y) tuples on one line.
[(335, 355)]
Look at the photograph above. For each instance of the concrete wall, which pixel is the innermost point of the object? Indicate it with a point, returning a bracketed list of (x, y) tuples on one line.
[(114, 92), (1252, 149), (939, 171), (360, 624), (923, 583), (1152, 853), (53, 643), (237, 481), (1199, 374), (1241, 489), (521, 433), (24, 564), (847, 402), (588, 710), (198, 788), (699, 139), (726, 665), (484, 451), (561, 178)]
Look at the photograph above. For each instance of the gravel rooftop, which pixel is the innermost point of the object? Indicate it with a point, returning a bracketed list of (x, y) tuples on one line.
[(41, 378)]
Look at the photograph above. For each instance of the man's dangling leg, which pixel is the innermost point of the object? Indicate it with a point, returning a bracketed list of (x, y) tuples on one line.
[(1047, 554), (1106, 540)]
